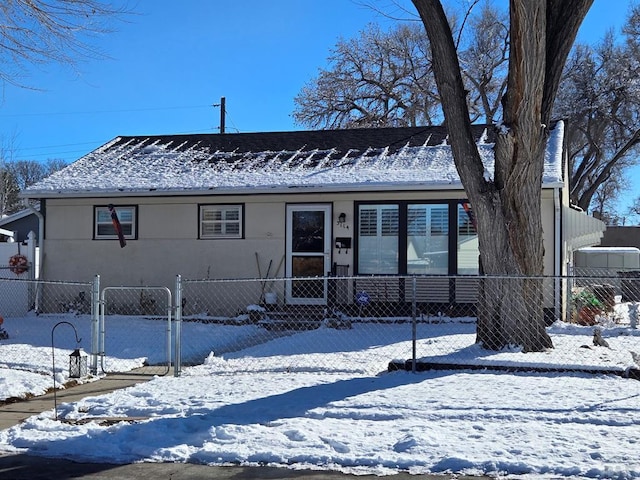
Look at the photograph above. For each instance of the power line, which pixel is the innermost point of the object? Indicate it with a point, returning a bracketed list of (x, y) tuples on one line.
[(99, 142), (53, 154), (10, 115)]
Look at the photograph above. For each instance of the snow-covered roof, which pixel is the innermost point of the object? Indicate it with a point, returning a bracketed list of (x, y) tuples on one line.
[(344, 160)]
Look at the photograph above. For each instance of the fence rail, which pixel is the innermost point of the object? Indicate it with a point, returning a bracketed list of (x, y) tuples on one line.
[(356, 324)]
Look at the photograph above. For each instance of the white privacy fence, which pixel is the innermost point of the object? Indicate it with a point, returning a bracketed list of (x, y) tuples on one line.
[(364, 324), (17, 262)]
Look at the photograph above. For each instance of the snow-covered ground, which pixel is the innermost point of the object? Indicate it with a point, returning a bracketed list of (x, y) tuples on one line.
[(333, 407)]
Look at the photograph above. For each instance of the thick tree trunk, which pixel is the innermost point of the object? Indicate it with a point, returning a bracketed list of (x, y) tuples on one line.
[(508, 205), (518, 175)]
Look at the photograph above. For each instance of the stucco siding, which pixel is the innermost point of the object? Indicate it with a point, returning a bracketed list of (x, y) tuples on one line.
[(167, 241)]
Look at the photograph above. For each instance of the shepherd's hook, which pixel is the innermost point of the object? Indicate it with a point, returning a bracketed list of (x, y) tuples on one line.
[(53, 356)]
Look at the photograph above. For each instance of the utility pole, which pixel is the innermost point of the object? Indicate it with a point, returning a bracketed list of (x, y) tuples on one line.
[(222, 103), (223, 100)]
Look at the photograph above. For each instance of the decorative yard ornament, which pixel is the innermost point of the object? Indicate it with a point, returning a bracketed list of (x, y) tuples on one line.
[(362, 298), (18, 264), (116, 224)]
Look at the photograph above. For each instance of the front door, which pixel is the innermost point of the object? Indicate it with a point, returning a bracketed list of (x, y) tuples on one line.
[(308, 252)]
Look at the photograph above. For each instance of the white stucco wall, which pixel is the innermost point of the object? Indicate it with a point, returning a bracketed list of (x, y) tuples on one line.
[(168, 243)]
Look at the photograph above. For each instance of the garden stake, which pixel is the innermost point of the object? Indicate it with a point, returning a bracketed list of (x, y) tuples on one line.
[(264, 282)]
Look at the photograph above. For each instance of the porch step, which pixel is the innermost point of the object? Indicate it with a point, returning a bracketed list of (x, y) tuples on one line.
[(293, 317)]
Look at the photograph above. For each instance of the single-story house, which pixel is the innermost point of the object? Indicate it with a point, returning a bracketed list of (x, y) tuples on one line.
[(383, 201), (20, 224)]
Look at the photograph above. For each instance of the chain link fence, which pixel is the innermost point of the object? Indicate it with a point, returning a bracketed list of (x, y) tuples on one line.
[(29, 313), (356, 324), (21, 297), (369, 324), (121, 328)]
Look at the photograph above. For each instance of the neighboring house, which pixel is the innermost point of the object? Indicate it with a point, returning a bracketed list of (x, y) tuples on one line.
[(21, 223), (621, 237), (371, 201)]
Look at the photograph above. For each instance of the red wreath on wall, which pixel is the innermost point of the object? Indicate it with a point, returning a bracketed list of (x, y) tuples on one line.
[(18, 264)]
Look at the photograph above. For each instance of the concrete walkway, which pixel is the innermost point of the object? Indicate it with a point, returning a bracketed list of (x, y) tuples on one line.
[(13, 413), (25, 467)]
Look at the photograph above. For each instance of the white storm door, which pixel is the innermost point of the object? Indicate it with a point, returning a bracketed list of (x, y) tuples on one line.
[(308, 253)]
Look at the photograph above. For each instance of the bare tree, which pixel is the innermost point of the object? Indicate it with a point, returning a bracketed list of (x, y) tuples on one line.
[(16, 175), (634, 209), (376, 79), (8, 187), (600, 96), (28, 172), (508, 205), (36, 32), (601, 204), (385, 78), (483, 60), (8, 192)]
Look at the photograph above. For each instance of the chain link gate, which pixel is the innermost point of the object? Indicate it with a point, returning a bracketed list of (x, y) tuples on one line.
[(122, 305)]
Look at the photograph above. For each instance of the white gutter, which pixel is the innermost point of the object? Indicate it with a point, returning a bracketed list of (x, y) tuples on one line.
[(558, 252), (257, 190), (557, 268)]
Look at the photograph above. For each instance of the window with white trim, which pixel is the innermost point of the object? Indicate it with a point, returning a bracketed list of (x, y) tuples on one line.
[(468, 249), (104, 227), (427, 238), (378, 241), (220, 221)]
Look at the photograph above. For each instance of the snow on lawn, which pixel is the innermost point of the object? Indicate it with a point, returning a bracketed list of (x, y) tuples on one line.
[(26, 358), (322, 400)]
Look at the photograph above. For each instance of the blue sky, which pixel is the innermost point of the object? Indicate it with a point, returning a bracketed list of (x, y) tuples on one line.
[(172, 61)]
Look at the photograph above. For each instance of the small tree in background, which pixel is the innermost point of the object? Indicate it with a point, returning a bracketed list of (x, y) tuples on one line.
[(15, 176)]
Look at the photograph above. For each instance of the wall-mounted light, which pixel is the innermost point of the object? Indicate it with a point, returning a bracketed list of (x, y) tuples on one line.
[(342, 219)]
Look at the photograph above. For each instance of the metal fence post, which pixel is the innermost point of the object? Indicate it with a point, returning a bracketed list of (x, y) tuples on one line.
[(633, 315), (95, 323), (568, 297), (177, 364), (414, 327)]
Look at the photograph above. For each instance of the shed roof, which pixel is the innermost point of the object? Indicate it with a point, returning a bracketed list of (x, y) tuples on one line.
[(345, 160)]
